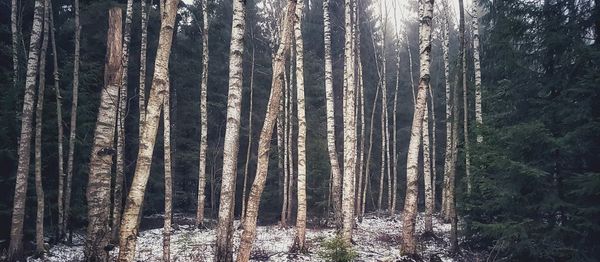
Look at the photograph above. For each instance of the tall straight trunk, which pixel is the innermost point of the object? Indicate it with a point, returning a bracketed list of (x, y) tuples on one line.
[(168, 176), (118, 186), (39, 110), (232, 135), (384, 115), (59, 125), (427, 178), (15, 250), (336, 185), (477, 69), (101, 160), (410, 203), (394, 137), (143, 51), (249, 147), (203, 119), (410, 68), (300, 239), (449, 116), (290, 134), (264, 142), (129, 225), (73, 122), (281, 152), (463, 54), (286, 170), (15, 42), (433, 149), (349, 127), (361, 98)]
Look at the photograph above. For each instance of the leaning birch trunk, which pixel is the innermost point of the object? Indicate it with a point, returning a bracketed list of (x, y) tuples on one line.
[(15, 250), (168, 176), (409, 245), (299, 242), (15, 42), (143, 48), (39, 110), (59, 125), (330, 107), (463, 53), (224, 250), (264, 142), (249, 147), (118, 186), (477, 68), (427, 173), (73, 122), (349, 128), (449, 117), (98, 188), (129, 225), (203, 119)]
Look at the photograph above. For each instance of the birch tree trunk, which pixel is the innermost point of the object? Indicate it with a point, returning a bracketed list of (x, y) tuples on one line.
[(224, 250), (477, 67), (463, 54), (384, 135), (361, 97), (249, 147), (15, 250), (299, 242), (449, 116), (118, 186), (15, 42), (61, 161), (410, 202), (39, 110), (433, 145), (101, 160), (427, 173), (264, 141), (290, 133), (143, 48), (203, 119), (168, 176), (129, 225), (394, 138), (330, 107), (286, 170), (368, 163), (349, 128)]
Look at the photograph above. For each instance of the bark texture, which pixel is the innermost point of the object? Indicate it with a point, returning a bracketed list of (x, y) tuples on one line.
[(143, 52), (168, 177), (225, 228), (129, 225), (449, 116), (249, 147), (336, 185), (203, 119), (463, 54), (15, 41), (264, 141), (15, 250), (101, 160), (409, 245), (477, 68), (427, 178)]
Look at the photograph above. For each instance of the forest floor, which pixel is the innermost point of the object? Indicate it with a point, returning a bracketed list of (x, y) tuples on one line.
[(376, 238)]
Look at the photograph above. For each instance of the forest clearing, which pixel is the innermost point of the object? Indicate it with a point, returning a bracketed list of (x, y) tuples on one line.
[(299, 130)]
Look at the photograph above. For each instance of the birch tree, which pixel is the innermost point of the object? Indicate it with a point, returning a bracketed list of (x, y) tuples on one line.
[(15, 250), (203, 119), (143, 51), (129, 225), (59, 124), (101, 160), (463, 55), (118, 186), (224, 250), (73, 121), (39, 110), (168, 176), (264, 142), (299, 242), (410, 203), (477, 69), (349, 127), (427, 178), (249, 147), (330, 107), (449, 113)]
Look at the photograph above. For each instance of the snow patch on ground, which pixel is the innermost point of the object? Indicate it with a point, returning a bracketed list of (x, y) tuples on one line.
[(376, 238)]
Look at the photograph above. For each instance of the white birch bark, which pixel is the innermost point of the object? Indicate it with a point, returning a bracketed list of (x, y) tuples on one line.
[(477, 69), (39, 110), (129, 225), (264, 142), (299, 242), (330, 107), (15, 42), (143, 52), (410, 202), (101, 160), (168, 176), (427, 178), (203, 118), (225, 229), (449, 116), (463, 54), (249, 147), (15, 250)]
